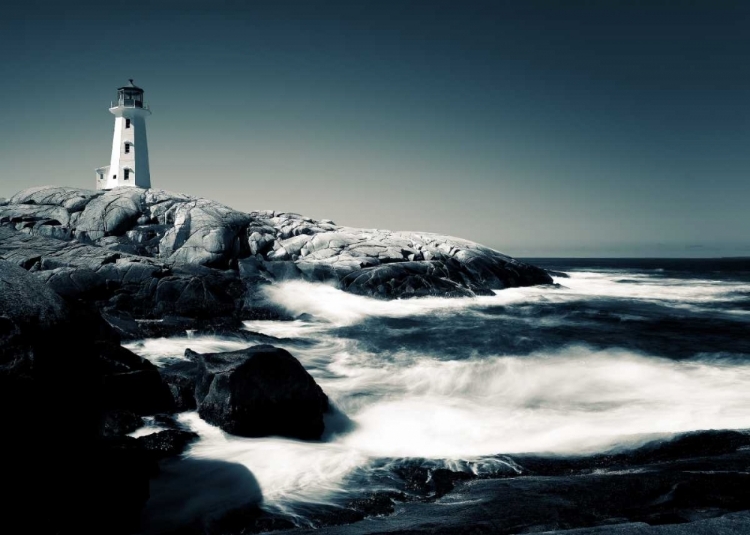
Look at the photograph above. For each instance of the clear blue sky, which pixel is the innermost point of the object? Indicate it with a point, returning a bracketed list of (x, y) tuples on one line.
[(539, 128)]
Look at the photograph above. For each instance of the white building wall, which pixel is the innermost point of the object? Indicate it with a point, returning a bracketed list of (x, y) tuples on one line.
[(136, 160), (140, 154)]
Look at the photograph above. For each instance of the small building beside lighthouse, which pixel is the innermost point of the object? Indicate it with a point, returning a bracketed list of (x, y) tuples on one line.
[(128, 166)]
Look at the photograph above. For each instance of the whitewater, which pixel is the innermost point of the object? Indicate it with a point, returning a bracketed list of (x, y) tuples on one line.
[(605, 359)]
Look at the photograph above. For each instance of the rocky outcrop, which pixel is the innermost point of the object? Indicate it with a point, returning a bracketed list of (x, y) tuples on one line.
[(259, 391), (62, 372), (155, 248)]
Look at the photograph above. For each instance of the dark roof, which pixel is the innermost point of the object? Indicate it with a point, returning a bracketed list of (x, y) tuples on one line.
[(131, 86)]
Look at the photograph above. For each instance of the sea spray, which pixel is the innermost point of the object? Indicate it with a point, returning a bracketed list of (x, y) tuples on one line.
[(458, 383)]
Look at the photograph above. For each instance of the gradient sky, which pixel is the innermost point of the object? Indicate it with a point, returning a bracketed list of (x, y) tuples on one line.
[(539, 128)]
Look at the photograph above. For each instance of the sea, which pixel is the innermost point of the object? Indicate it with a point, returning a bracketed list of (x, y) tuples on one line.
[(616, 353)]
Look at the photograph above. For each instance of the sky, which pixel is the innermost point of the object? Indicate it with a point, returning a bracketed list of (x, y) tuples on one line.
[(539, 128)]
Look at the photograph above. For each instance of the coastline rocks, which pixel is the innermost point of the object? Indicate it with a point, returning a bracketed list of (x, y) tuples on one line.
[(688, 484), (412, 279), (259, 391), (54, 361), (152, 252), (110, 214), (204, 233)]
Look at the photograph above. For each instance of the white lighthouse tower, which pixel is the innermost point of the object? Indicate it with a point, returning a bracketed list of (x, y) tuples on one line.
[(128, 166)]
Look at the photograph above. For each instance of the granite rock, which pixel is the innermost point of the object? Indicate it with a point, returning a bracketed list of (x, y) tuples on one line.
[(259, 391), (151, 246)]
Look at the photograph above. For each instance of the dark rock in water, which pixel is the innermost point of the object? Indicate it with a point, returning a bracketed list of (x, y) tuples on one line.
[(132, 382), (166, 443), (191, 496), (260, 391), (410, 279), (430, 482), (181, 376), (119, 423)]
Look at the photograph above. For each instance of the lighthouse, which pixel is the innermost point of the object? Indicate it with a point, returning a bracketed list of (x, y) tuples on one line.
[(128, 166)]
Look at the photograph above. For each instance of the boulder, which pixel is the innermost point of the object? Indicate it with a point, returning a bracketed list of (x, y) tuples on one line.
[(205, 233), (111, 213), (181, 376), (166, 443), (413, 279), (259, 391), (132, 382)]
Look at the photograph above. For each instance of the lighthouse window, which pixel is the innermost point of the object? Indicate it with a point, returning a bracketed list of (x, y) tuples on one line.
[(127, 123), (127, 174), (127, 148)]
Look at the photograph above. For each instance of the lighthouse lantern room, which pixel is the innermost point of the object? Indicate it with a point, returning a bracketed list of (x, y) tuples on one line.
[(128, 166)]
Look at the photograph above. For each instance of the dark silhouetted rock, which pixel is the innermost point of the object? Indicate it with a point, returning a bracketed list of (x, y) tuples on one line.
[(132, 382), (166, 443), (119, 423), (189, 496), (260, 391), (54, 358), (181, 376)]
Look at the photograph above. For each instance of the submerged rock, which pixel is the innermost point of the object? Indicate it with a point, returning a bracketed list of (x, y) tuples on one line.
[(166, 443), (259, 391)]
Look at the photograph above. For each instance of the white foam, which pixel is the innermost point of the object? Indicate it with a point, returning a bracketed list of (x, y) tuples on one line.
[(572, 400), (576, 400), (337, 307)]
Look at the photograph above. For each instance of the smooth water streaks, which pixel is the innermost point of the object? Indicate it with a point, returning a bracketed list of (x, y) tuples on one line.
[(415, 400)]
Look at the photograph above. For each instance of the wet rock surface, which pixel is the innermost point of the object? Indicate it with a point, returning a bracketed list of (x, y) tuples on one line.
[(694, 483), (259, 391), (182, 376)]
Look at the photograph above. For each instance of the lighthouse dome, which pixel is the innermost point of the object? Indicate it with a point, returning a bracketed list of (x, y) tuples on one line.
[(130, 95)]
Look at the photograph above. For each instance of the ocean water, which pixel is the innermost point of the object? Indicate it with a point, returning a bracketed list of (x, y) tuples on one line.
[(617, 353)]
